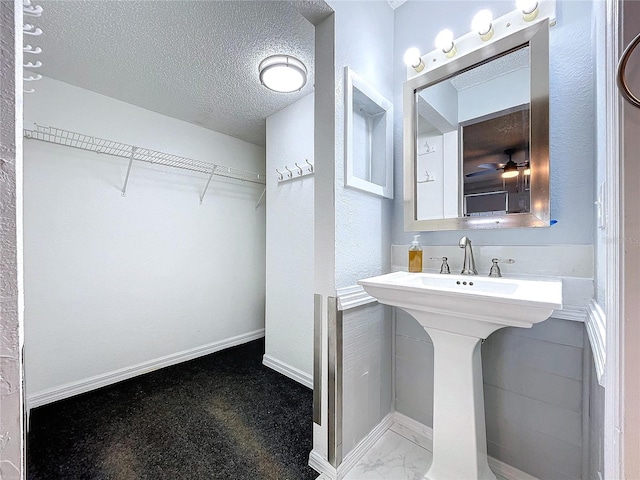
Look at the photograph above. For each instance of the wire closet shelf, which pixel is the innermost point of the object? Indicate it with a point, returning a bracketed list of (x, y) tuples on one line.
[(68, 138)]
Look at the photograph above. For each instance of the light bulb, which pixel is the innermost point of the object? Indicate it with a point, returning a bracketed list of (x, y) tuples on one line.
[(282, 73), (412, 59), (444, 42), (529, 9), (481, 23)]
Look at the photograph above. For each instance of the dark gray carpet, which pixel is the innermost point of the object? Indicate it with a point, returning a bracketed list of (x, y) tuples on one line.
[(223, 416)]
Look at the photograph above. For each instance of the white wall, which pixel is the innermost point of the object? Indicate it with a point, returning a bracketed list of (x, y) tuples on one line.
[(112, 281), (289, 256), (12, 457), (364, 42), (352, 229)]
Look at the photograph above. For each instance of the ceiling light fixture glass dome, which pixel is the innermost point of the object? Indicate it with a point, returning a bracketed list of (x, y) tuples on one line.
[(282, 73)]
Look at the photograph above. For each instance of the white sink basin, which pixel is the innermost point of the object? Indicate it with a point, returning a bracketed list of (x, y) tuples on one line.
[(472, 305), (457, 311)]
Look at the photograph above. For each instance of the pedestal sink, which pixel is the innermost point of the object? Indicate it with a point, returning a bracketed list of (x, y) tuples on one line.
[(458, 311)]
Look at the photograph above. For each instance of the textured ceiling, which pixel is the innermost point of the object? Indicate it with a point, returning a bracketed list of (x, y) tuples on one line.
[(192, 60), (493, 69)]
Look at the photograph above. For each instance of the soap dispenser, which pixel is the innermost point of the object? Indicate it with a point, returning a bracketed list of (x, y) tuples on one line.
[(415, 255)]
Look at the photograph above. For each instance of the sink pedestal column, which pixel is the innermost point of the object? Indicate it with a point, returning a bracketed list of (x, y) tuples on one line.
[(459, 435), (458, 311)]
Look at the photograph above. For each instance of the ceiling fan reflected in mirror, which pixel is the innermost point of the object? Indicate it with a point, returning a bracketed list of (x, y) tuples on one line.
[(509, 169)]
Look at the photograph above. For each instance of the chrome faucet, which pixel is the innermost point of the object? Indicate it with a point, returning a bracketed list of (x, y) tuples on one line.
[(469, 264)]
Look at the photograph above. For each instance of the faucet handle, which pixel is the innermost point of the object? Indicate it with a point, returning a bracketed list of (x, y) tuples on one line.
[(444, 268), (495, 269)]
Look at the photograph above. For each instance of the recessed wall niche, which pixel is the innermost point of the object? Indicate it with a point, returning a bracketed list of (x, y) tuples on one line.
[(368, 137)]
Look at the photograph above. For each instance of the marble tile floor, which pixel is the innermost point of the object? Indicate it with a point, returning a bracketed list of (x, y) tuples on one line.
[(392, 457)]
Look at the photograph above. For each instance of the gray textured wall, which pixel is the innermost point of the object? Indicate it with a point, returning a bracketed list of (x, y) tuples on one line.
[(367, 374), (533, 392), (596, 423)]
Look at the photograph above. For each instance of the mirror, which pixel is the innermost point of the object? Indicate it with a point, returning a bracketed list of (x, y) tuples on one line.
[(368, 137), (476, 138)]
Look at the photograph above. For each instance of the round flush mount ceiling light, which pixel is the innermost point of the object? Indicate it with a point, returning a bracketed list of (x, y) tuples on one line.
[(282, 73)]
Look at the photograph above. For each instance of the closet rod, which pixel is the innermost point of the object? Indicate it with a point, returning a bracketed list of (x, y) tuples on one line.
[(130, 152)]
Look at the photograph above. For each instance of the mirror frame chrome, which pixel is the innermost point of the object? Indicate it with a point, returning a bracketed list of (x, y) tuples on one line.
[(537, 38)]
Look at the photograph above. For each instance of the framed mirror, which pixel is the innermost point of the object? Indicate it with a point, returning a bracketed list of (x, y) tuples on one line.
[(476, 138)]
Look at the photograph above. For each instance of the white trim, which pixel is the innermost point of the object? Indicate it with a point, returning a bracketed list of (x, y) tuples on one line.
[(102, 380), (413, 431), (322, 466), (423, 435), (507, 471), (353, 81), (571, 312), (318, 463), (596, 325), (353, 296), (364, 445), (613, 301), (288, 371)]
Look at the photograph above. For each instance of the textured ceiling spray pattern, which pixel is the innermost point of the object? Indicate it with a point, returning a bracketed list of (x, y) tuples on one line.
[(192, 60)]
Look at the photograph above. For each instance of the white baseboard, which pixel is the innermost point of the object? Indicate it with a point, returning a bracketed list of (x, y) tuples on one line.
[(322, 466), (423, 436), (364, 445), (410, 429), (328, 472), (85, 385), (288, 371)]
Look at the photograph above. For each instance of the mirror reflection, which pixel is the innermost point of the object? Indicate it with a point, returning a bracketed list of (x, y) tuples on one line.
[(472, 155)]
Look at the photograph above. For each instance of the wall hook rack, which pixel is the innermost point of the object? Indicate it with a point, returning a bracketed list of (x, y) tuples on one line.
[(300, 171), (131, 152)]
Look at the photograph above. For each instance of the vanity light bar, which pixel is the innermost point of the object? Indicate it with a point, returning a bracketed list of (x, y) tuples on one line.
[(507, 24)]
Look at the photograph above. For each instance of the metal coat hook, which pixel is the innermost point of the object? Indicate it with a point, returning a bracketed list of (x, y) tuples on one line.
[(30, 49), (428, 178), (299, 168), (31, 90), (622, 67), (310, 166), (29, 29), (38, 64), (33, 78), (32, 10), (280, 177), (290, 174)]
